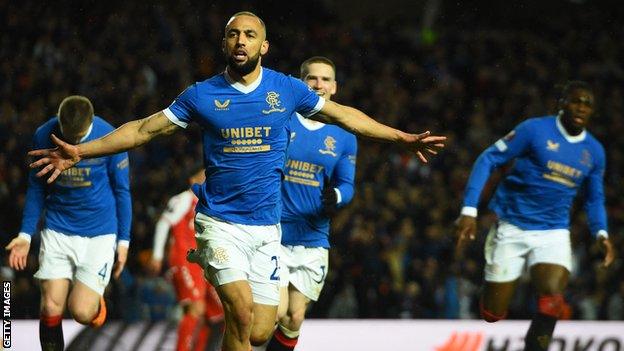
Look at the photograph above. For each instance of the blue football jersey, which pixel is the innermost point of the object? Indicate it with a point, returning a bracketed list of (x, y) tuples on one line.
[(550, 167), (245, 138), (314, 155), (92, 198)]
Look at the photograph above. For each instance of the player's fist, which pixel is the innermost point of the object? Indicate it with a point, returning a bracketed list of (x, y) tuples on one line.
[(606, 245), (120, 263), (19, 248), (466, 228), (329, 198)]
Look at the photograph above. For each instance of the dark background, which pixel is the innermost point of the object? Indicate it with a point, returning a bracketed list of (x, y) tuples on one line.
[(470, 70)]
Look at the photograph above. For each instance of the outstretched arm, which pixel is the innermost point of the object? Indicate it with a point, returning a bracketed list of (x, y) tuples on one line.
[(128, 136), (357, 122)]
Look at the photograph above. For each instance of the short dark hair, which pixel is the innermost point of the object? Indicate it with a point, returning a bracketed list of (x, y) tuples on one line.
[(75, 113), (315, 59), (246, 13), (573, 85)]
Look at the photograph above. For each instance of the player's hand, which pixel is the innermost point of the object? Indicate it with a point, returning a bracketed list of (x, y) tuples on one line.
[(55, 160), (122, 256), (154, 267), (329, 198), (19, 248), (609, 251), (466, 229), (424, 145)]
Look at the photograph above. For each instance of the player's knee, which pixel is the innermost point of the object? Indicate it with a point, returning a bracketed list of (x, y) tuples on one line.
[(82, 311), (296, 319), (51, 307), (551, 305), (83, 314), (260, 334), (490, 316)]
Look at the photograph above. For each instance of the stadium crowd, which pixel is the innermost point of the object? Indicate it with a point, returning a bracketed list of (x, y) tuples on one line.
[(393, 254)]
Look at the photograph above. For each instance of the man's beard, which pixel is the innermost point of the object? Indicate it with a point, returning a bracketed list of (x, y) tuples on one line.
[(244, 68)]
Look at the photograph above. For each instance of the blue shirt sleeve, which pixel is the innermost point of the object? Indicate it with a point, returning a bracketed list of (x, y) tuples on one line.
[(35, 195), (594, 197), (184, 107), (344, 172), (504, 150), (118, 173), (307, 103)]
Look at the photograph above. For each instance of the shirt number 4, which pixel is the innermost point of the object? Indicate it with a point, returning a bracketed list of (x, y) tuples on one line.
[(102, 272)]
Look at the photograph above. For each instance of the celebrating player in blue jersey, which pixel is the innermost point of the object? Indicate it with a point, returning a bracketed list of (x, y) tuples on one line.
[(243, 113), (87, 211), (555, 156), (317, 154)]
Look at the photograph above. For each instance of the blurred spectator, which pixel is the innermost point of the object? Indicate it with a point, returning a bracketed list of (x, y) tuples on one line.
[(615, 305), (344, 304), (158, 298)]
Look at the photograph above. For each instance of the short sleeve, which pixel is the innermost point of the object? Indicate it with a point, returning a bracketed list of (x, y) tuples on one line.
[(307, 103), (184, 107)]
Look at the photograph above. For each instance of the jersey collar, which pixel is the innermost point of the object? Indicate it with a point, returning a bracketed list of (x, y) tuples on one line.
[(310, 124), (567, 136), (245, 89), (88, 133)]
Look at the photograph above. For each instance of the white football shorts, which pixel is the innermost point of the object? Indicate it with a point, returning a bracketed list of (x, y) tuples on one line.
[(305, 268), (508, 249), (229, 252), (86, 259)]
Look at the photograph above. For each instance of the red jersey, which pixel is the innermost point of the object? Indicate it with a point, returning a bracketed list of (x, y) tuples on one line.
[(180, 214)]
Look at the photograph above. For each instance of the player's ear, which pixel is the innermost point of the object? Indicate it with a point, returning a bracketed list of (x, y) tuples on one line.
[(223, 45), (334, 88), (264, 48)]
